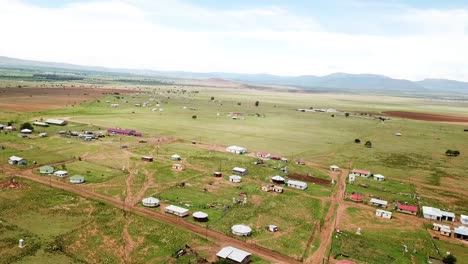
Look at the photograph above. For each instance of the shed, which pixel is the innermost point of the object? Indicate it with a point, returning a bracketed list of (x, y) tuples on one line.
[(235, 178), (77, 179), (54, 121), (61, 173), (46, 169), (239, 171), (334, 168), (277, 179), (437, 214), (378, 202), (275, 157), (464, 219), (42, 124), (356, 197), (218, 174), (147, 158), (236, 149), (383, 214), (398, 134), (362, 173), (176, 210), (177, 167), (272, 188), (150, 202), (234, 255), (264, 155), (43, 134), (297, 184), (444, 230), (272, 228), (176, 157), (15, 160), (461, 232), (200, 216), (351, 178), (241, 230), (407, 209), (26, 131), (379, 177)]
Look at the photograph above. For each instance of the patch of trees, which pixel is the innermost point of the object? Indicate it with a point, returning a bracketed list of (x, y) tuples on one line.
[(449, 259), (27, 125), (257, 103), (54, 76), (194, 117), (346, 114), (452, 153)]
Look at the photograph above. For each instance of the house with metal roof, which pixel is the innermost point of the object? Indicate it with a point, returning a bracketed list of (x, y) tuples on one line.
[(58, 122), (176, 210), (240, 171), (77, 179), (361, 173), (15, 160), (236, 149), (461, 232), (235, 255), (296, 184), (464, 219), (437, 214), (407, 209), (378, 202), (379, 177), (383, 214), (46, 169)]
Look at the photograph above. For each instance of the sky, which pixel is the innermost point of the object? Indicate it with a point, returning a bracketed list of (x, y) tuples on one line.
[(402, 39)]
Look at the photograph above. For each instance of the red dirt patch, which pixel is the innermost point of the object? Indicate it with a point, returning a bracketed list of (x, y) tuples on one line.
[(428, 116), (38, 99), (308, 178), (12, 184)]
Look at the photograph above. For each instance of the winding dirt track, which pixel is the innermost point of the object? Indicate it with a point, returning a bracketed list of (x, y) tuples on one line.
[(218, 238)]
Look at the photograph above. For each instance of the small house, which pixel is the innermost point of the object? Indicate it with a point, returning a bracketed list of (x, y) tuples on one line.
[(272, 188), (123, 131), (9, 128), (398, 134), (234, 255), (57, 122), (275, 157), (461, 232), (176, 210), (77, 179), (444, 230), (43, 134), (41, 124), (407, 209), (147, 158), (200, 216), (437, 214), (61, 173), (15, 160), (177, 167), (218, 174), (277, 179), (114, 105), (235, 178), (383, 214), (272, 228), (239, 171), (150, 202), (334, 168), (356, 197), (236, 150), (378, 202), (46, 169), (241, 230), (297, 184), (26, 131), (361, 173), (263, 155), (351, 178), (464, 219), (300, 162), (176, 157), (379, 177)]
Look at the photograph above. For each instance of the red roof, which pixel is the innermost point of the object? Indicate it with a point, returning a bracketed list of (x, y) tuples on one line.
[(275, 156), (356, 196), (411, 208), (361, 171), (263, 154)]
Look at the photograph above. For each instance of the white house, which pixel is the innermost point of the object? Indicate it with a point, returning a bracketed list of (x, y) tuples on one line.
[(26, 131), (461, 232), (176, 210), (15, 160), (437, 214), (240, 171), (150, 202), (176, 157), (383, 214), (241, 230), (334, 168), (61, 173), (53, 121), (351, 178), (236, 149), (362, 173), (77, 179), (277, 179), (234, 255), (43, 124), (464, 219), (378, 202), (235, 178), (297, 184), (444, 230), (379, 177)]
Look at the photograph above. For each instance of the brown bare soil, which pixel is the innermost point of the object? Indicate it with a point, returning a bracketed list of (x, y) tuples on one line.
[(38, 99), (308, 178), (428, 117), (11, 184)]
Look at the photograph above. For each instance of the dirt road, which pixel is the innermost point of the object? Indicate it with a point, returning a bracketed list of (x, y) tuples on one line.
[(216, 237)]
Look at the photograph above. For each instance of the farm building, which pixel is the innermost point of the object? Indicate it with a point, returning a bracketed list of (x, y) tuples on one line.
[(46, 169), (234, 255), (361, 173), (437, 214), (177, 167), (241, 230), (356, 197), (217, 174), (123, 131), (147, 158), (277, 179), (176, 210), (378, 202), (272, 188), (42, 124), (300, 162), (58, 122), (61, 173), (379, 177), (297, 184), (43, 134), (26, 131), (264, 155), (351, 178), (334, 168), (200, 216), (444, 230), (272, 228), (236, 149), (2, 126), (176, 157), (150, 202), (239, 171), (15, 160), (275, 157), (464, 219), (383, 214), (461, 232), (114, 105), (235, 178), (77, 179), (407, 209), (9, 128)]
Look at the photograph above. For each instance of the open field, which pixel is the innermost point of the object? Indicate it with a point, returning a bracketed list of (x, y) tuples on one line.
[(184, 120), (428, 117)]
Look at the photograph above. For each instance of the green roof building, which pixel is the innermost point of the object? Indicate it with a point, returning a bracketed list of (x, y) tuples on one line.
[(46, 169), (76, 179)]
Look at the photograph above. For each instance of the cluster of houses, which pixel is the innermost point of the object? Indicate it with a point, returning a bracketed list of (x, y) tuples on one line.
[(49, 170), (123, 131), (267, 155), (364, 174), (236, 149)]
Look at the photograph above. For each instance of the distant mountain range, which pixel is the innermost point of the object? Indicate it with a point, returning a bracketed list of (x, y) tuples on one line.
[(344, 82)]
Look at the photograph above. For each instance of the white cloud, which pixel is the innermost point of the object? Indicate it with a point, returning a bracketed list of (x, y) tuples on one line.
[(174, 35)]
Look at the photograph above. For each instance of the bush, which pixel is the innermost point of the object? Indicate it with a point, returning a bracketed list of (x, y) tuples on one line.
[(194, 117), (452, 153), (27, 125), (357, 141), (368, 144), (257, 103), (449, 259), (346, 114)]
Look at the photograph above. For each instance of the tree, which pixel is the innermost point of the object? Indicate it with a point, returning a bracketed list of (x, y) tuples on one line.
[(257, 103), (368, 144), (346, 114), (452, 153), (212, 98), (194, 117), (357, 141), (239, 103), (27, 125), (449, 259)]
